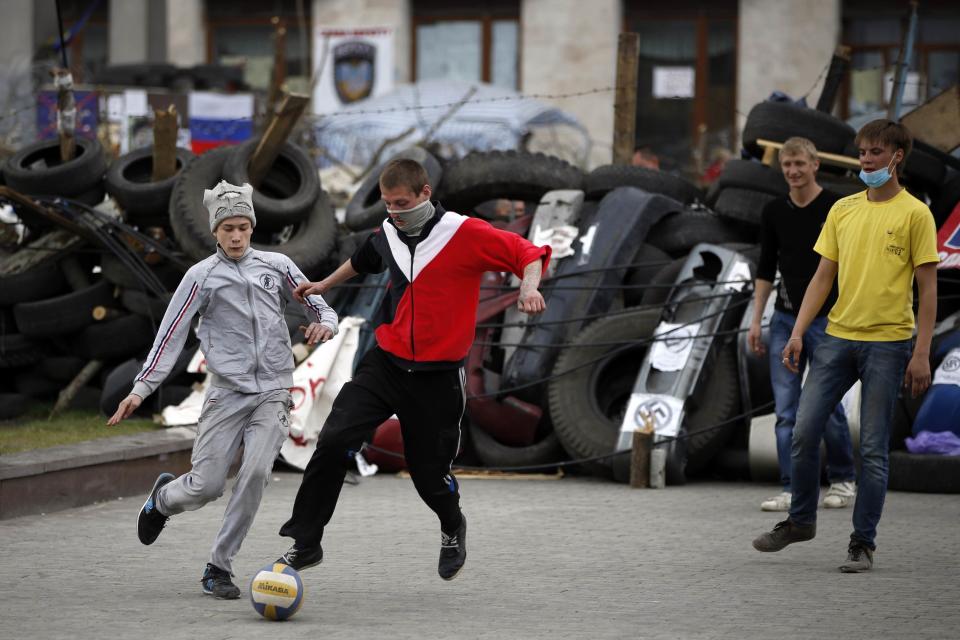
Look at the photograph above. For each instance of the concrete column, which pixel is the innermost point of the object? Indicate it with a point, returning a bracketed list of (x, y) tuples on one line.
[(784, 46), (186, 33), (128, 32), (371, 13), (18, 35), (568, 47), (16, 30)]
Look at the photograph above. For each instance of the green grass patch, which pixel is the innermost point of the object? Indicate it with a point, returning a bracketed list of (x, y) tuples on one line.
[(35, 431)]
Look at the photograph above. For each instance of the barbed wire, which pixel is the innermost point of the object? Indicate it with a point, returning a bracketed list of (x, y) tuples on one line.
[(230, 126)]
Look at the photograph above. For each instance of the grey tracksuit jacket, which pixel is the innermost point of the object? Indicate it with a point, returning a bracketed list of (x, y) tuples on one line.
[(243, 334)]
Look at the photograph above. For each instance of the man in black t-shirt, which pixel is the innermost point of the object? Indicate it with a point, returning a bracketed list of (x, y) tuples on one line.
[(789, 228)]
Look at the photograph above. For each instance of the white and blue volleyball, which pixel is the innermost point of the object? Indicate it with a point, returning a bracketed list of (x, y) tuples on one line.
[(276, 591)]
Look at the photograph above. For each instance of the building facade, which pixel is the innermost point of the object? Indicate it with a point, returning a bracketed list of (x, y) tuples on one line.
[(703, 63)]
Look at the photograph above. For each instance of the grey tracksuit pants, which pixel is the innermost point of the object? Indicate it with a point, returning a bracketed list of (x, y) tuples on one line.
[(258, 421)]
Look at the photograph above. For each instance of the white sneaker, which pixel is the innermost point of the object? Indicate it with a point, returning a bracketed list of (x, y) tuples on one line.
[(779, 502), (840, 495)]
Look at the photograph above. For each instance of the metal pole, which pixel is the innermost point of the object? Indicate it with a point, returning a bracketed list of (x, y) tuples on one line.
[(903, 64)]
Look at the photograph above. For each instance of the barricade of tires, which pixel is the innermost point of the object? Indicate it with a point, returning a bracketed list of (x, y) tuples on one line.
[(65, 302), (534, 408), (538, 406), (566, 402)]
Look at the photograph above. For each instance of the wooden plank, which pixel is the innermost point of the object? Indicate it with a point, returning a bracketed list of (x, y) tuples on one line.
[(279, 74), (273, 138), (625, 98), (832, 159), (839, 65), (937, 121), (640, 459), (164, 143), (769, 156), (49, 246)]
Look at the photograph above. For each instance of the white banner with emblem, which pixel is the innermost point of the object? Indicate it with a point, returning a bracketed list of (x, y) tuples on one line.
[(352, 63)]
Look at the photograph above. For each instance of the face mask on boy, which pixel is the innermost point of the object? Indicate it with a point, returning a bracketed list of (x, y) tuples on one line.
[(414, 218), (878, 178)]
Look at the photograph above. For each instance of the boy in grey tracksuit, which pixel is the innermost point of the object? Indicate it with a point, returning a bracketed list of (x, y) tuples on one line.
[(243, 335)]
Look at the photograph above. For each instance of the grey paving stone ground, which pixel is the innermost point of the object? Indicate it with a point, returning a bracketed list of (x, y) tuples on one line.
[(574, 558)]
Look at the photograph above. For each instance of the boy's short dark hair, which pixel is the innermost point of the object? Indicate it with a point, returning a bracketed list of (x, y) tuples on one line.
[(404, 172), (886, 132)]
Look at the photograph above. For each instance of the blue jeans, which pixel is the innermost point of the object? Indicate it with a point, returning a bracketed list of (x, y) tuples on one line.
[(837, 364), (786, 398)]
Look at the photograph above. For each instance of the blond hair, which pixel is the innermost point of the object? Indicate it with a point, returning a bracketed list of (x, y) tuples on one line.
[(796, 146)]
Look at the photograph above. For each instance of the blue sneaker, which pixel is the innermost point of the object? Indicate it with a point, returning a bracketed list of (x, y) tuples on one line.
[(150, 522)]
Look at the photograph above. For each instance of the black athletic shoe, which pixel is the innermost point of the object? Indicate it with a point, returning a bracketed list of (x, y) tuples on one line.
[(301, 559), (453, 551), (783, 534), (217, 583), (859, 558), (150, 522)]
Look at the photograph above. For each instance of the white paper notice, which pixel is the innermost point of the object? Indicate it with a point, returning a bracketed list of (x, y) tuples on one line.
[(135, 102), (673, 82), (665, 412), (672, 352)]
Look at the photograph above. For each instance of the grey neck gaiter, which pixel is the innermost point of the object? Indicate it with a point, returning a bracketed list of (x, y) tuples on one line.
[(415, 218)]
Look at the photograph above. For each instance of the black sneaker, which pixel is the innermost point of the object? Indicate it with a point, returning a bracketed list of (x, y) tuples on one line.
[(150, 522), (784, 533), (217, 583), (859, 558), (301, 559), (453, 551)]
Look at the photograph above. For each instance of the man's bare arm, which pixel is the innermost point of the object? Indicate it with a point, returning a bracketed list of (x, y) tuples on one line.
[(530, 300)]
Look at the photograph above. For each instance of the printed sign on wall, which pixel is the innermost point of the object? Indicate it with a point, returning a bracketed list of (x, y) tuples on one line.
[(353, 64)]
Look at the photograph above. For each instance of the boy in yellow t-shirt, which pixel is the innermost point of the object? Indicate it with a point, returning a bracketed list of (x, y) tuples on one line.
[(875, 242)]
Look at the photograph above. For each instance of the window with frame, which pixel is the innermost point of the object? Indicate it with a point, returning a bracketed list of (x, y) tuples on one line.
[(686, 81), (242, 33), (459, 41), (875, 34)]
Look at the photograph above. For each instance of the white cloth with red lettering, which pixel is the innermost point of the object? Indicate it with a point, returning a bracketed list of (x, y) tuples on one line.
[(316, 382)]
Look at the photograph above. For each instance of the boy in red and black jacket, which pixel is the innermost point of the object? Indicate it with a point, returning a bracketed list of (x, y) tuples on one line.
[(436, 259)]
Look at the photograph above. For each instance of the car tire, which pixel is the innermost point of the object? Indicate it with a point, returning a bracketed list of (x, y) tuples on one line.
[(287, 192), (606, 178), (129, 181), (516, 175)]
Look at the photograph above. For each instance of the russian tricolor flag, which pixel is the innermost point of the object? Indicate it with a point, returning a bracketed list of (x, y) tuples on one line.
[(217, 119)]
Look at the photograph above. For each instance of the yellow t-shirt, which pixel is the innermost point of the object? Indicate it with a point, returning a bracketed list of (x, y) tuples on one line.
[(877, 246)]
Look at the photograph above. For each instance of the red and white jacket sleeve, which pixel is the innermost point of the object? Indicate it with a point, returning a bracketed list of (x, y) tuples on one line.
[(498, 250)]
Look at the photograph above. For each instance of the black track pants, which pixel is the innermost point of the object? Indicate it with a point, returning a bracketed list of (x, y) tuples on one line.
[(429, 405)]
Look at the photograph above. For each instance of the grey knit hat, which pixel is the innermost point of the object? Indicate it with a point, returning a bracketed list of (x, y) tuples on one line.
[(226, 201)]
